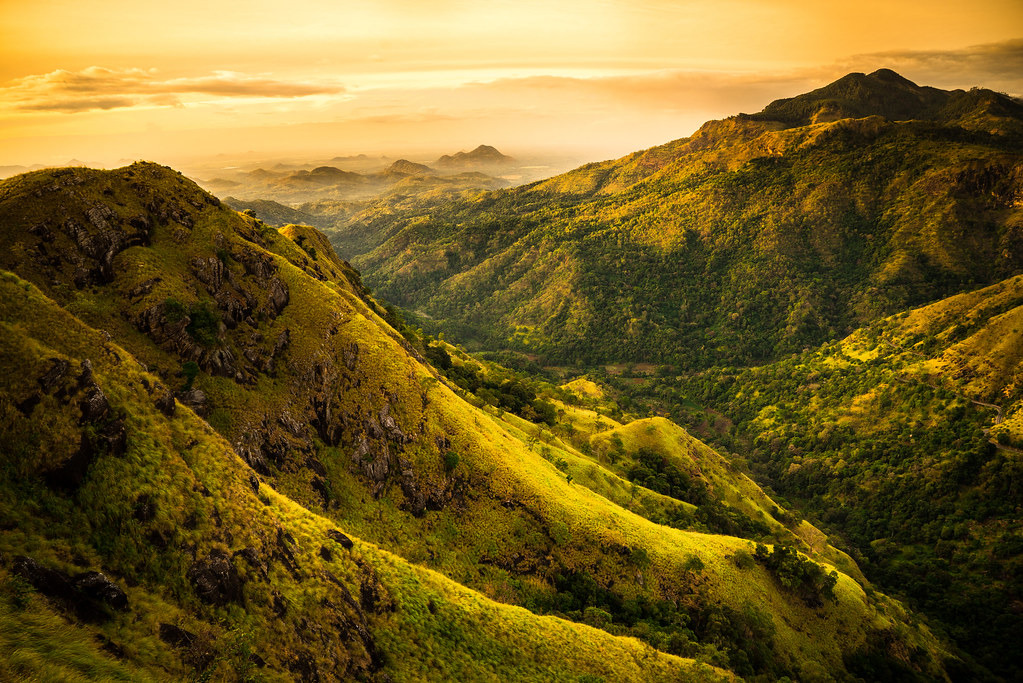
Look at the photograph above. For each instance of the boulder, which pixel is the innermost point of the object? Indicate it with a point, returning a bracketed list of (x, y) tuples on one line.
[(215, 579), (196, 400), (89, 594), (175, 636), (343, 540), (95, 587)]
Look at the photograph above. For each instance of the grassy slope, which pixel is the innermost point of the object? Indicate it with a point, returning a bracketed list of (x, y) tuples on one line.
[(429, 628), (502, 521), (883, 437)]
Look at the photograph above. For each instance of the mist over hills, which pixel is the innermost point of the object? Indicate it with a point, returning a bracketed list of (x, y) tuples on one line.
[(364, 178)]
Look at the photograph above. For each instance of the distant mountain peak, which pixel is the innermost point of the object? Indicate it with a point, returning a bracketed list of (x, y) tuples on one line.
[(892, 77), (484, 155), (857, 95)]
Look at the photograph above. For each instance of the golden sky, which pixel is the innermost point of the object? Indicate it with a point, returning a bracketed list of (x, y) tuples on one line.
[(106, 80)]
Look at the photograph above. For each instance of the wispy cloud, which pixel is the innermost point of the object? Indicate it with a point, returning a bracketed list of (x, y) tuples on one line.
[(97, 88)]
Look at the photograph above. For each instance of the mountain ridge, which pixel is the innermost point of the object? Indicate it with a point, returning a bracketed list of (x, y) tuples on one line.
[(926, 208)]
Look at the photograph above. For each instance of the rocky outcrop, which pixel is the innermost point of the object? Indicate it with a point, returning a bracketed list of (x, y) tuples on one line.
[(90, 595), (215, 579), (195, 399), (275, 442), (103, 431), (340, 538), (101, 237)]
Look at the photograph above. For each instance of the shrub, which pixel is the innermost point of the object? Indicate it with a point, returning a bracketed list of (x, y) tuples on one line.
[(743, 559), (191, 370), (174, 310), (204, 325), (450, 460), (796, 573)]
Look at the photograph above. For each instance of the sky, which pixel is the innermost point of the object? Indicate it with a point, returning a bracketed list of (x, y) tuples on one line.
[(106, 81)]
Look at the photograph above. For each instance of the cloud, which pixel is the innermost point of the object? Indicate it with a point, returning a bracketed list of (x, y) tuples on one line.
[(689, 92), (67, 106), (97, 88)]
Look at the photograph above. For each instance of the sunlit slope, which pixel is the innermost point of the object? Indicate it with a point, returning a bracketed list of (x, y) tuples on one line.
[(974, 341), (756, 237), (903, 438), (724, 482), (294, 367), (163, 499)]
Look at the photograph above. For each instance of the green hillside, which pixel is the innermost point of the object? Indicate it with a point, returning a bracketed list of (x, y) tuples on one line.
[(905, 439), (206, 573), (756, 237), (215, 416)]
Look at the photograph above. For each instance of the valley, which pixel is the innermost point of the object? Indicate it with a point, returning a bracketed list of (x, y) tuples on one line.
[(743, 406)]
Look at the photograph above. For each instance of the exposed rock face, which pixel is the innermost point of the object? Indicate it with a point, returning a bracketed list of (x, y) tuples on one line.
[(196, 400), (99, 239), (94, 405), (90, 594), (339, 537), (164, 402), (215, 579), (176, 636), (96, 587), (274, 442), (252, 293), (104, 432)]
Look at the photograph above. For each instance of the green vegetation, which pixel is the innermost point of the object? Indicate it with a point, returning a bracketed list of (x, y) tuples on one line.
[(495, 524), (882, 440), (324, 526), (805, 578), (734, 260)]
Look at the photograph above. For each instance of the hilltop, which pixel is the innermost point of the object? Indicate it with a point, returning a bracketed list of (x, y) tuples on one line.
[(232, 458), (482, 156), (409, 168), (887, 94), (756, 237)]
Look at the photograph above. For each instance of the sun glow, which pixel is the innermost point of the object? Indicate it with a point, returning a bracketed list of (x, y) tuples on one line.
[(117, 79)]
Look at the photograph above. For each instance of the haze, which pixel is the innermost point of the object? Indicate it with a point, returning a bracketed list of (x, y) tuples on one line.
[(115, 80)]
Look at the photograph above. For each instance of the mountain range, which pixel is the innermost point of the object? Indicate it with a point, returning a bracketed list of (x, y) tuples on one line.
[(824, 290), (361, 178), (758, 236)]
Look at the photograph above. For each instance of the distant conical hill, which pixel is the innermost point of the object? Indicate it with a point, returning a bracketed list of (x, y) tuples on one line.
[(484, 155), (221, 460), (755, 237)]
